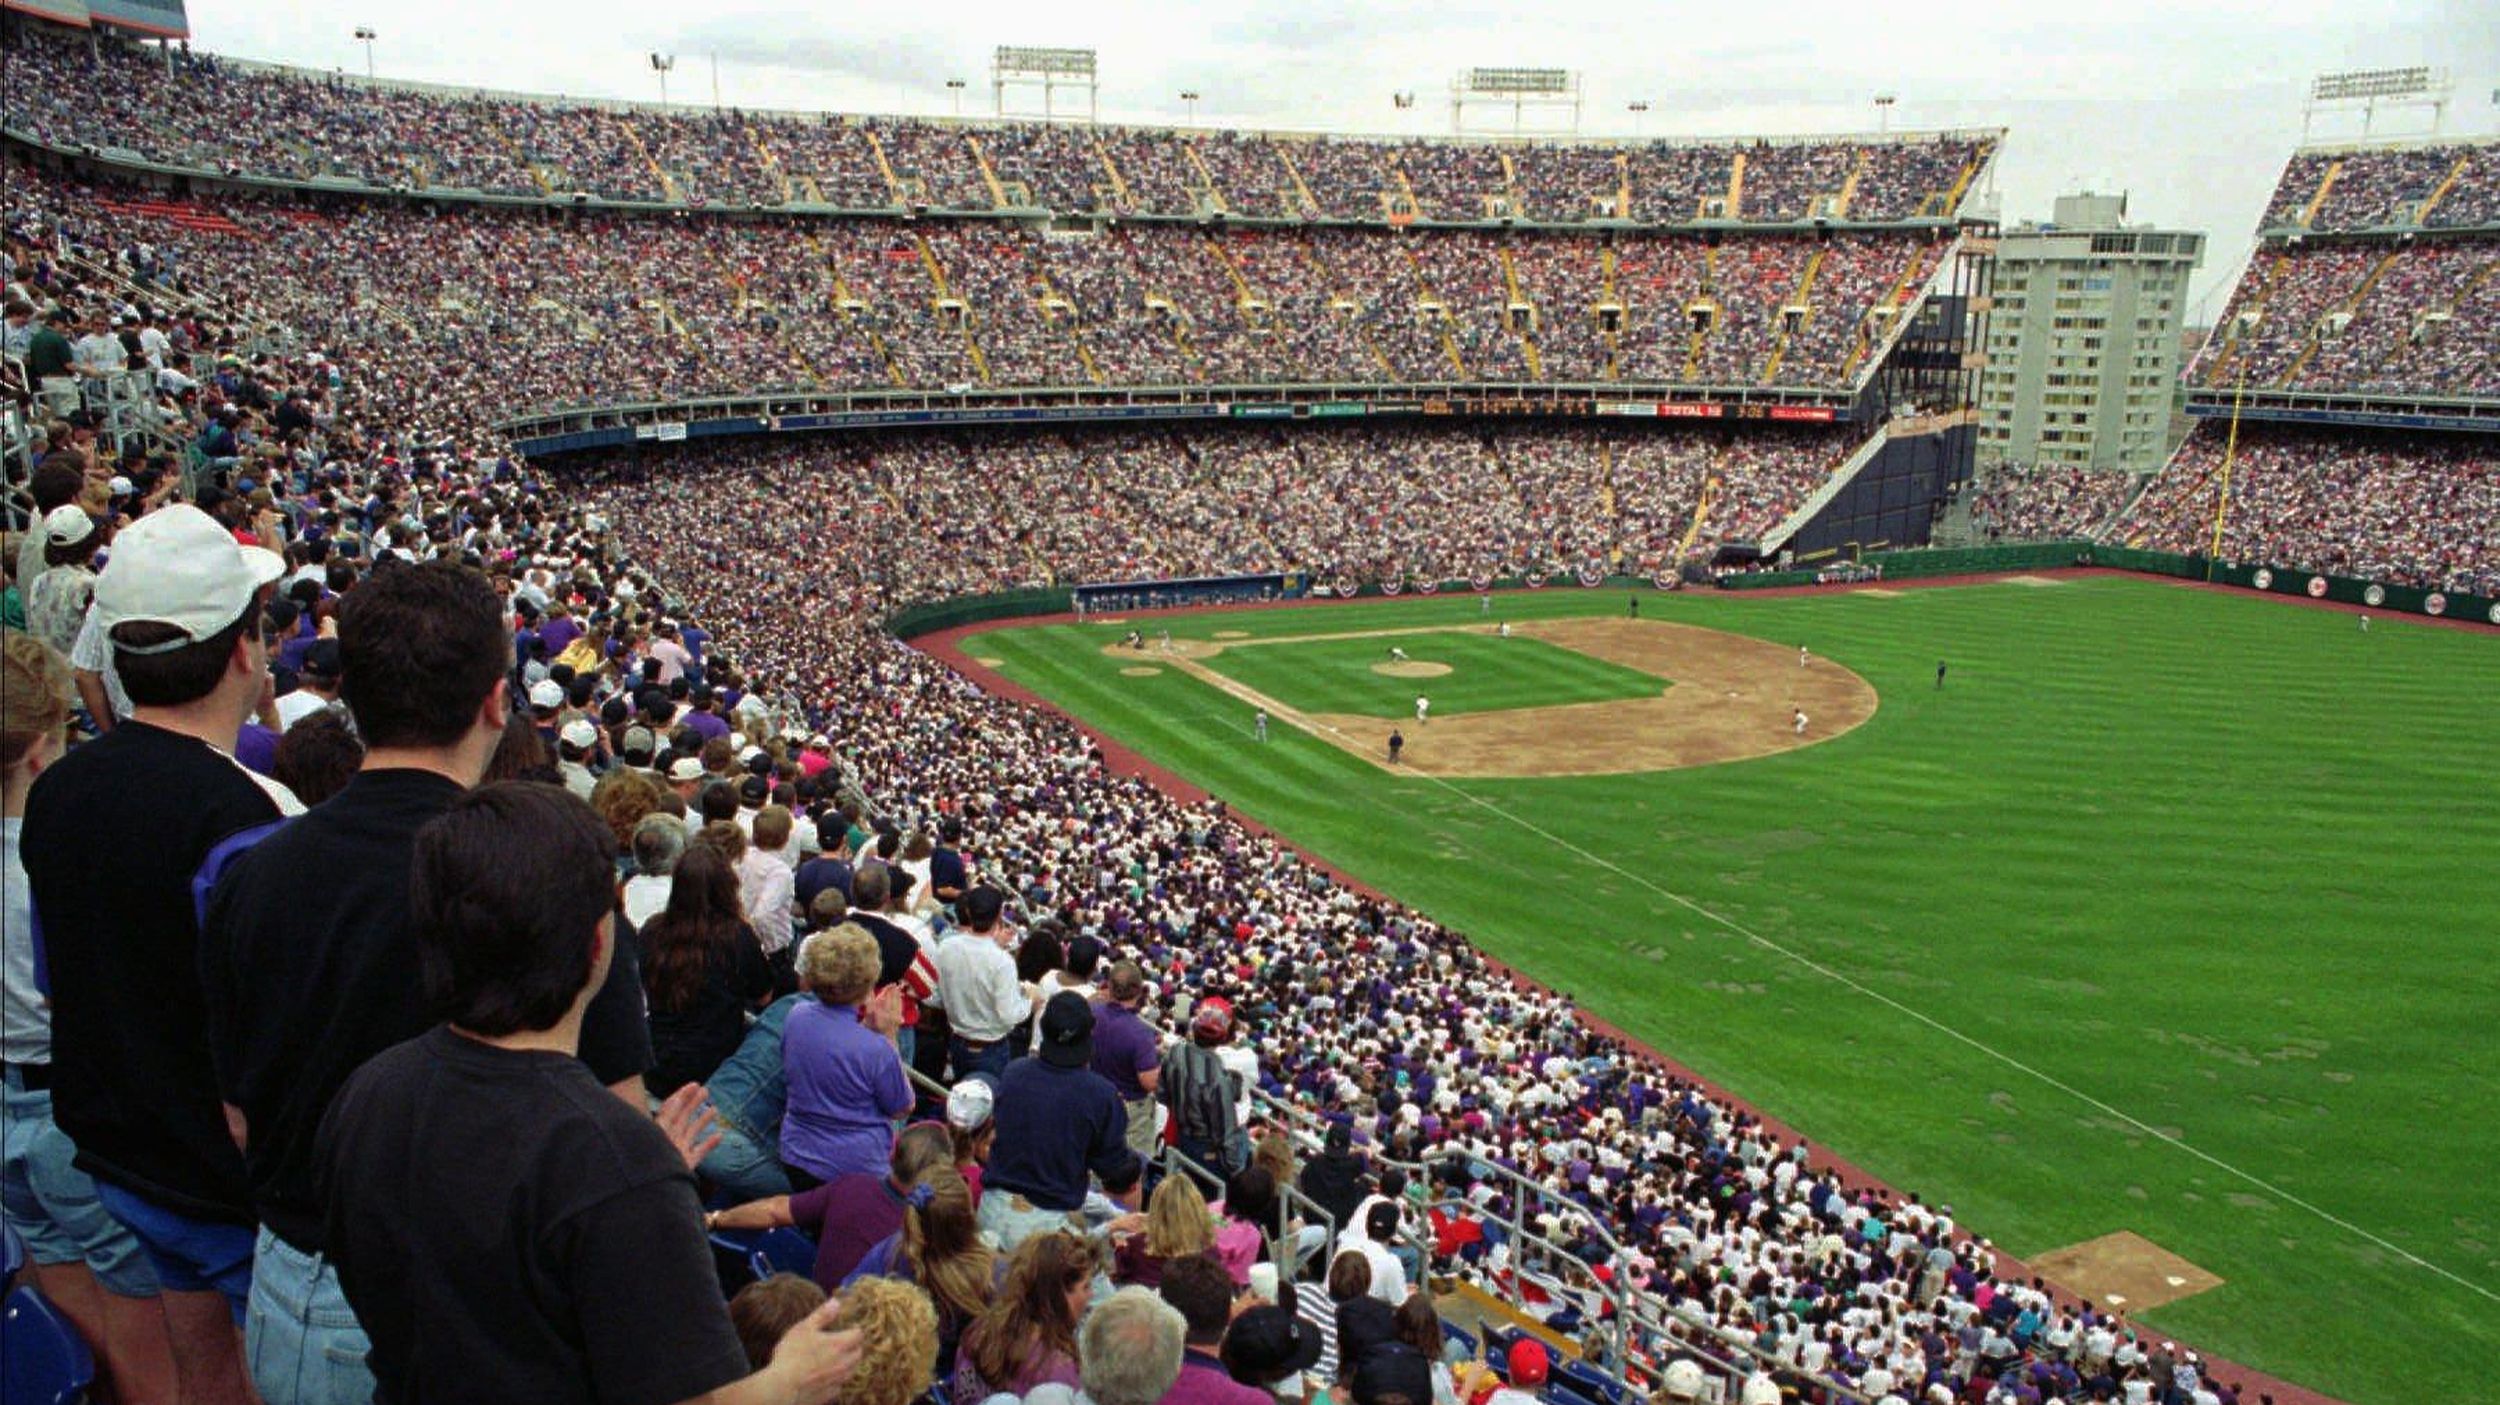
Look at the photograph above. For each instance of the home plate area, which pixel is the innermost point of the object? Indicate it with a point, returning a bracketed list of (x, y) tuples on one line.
[(2124, 1271)]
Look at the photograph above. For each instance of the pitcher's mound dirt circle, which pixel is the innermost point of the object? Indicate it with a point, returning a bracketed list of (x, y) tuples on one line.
[(1411, 668), (1140, 671), (991, 663)]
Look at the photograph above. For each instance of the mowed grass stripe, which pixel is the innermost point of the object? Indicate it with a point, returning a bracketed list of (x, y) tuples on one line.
[(2211, 859)]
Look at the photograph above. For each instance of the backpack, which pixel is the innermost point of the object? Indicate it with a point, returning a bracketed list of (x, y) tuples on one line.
[(1199, 1090)]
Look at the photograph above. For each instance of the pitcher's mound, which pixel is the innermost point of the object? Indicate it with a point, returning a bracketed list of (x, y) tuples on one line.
[(1412, 668), (989, 662), (1140, 671), (2125, 1271)]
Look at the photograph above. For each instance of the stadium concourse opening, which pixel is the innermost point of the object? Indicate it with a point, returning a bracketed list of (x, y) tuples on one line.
[(1736, 698)]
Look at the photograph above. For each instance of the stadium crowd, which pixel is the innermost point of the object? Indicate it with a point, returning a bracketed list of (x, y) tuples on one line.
[(545, 877), (2046, 502), (195, 109), (2371, 189), (2415, 317), (2407, 509)]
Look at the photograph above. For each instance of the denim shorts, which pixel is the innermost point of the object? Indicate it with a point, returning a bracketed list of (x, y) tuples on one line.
[(52, 1204), (190, 1255)]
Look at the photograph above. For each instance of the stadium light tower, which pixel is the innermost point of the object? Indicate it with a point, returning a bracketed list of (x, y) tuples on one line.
[(1190, 96), (955, 90), (1639, 108), (661, 64), (1883, 111), (366, 36)]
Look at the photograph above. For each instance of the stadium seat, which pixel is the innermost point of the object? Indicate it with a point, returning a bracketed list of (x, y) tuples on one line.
[(42, 1359), (1464, 1339), (745, 1255), (12, 1253)]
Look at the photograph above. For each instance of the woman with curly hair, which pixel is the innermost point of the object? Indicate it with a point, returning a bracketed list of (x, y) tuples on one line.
[(898, 1339), (1176, 1225), (1027, 1336), (939, 1249), (702, 971), (622, 797)]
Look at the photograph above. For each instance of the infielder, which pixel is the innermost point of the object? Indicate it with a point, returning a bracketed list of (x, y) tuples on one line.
[(1801, 721), (1259, 724), (1422, 706), (1502, 631), (1802, 656), (1396, 654)]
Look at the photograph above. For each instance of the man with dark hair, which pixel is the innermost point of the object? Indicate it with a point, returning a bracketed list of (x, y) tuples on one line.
[(985, 1003), (308, 979), (1200, 1289), (1392, 1373), (503, 1226), (113, 835)]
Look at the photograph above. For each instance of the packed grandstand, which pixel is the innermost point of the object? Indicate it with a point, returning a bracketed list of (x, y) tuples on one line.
[(698, 627)]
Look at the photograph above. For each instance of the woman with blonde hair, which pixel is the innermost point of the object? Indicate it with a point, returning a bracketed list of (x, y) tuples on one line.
[(939, 1249), (897, 1340), (839, 1057), (1027, 1335), (1177, 1225)]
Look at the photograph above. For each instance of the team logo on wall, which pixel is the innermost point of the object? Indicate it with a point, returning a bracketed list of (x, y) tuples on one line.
[(1592, 575), (1536, 580), (2375, 595), (1482, 582), (1428, 586), (2263, 580), (2317, 587), (2434, 604)]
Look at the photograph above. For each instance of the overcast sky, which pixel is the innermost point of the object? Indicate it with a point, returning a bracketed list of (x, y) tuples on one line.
[(2191, 109)]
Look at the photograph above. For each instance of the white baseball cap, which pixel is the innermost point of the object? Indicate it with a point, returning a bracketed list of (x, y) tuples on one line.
[(968, 1105), (67, 525), (685, 768), (176, 566), (579, 733), (547, 693)]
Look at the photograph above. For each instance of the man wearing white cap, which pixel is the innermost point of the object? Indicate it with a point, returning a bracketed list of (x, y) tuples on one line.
[(114, 833), (575, 743)]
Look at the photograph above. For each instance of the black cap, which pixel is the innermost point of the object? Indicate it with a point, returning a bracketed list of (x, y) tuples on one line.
[(1392, 1368), (1271, 1342), (754, 791), (321, 660), (1067, 1031)]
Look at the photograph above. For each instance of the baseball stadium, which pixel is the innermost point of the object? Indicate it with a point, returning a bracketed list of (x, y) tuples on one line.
[(1517, 653)]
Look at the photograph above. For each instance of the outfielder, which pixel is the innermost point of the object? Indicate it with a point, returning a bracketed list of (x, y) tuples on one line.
[(1259, 724)]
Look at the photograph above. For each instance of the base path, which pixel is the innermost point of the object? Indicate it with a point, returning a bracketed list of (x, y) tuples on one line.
[(1733, 698)]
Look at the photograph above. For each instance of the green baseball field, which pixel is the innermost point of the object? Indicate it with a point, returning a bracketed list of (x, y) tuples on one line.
[(2161, 941)]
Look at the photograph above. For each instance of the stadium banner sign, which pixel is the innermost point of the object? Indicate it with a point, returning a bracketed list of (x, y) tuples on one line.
[(1640, 409), (1339, 409), (1261, 412), (1692, 410), (1817, 414)]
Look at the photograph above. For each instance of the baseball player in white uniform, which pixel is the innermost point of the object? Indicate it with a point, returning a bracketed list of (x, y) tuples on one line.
[(1801, 721), (1422, 706), (1802, 656), (1396, 654), (1260, 724)]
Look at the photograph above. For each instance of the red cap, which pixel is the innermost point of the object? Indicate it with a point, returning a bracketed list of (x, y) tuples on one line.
[(1527, 1362)]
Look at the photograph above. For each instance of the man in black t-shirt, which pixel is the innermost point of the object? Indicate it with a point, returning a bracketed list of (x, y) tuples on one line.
[(308, 962), (504, 1226), (112, 836)]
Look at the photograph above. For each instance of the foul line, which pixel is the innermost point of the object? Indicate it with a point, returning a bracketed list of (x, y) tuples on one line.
[(1949, 1031)]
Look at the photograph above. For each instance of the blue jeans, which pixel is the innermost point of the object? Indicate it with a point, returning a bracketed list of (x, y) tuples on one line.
[(1011, 1219), (300, 1336), (52, 1204), (991, 1058), (189, 1255), (742, 1169)]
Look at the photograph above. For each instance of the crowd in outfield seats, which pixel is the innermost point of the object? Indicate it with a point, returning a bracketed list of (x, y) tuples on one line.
[(2045, 502), (193, 109), (2387, 187), (2414, 318), (546, 877), (2408, 509)]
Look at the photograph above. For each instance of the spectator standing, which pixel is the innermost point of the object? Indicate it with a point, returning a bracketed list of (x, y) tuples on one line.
[(1127, 1054), (57, 598), (112, 836), (658, 842), (1058, 1122), (702, 973), (307, 955), (977, 980), (85, 1260), (495, 1215), (316, 684), (845, 1073), (765, 880)]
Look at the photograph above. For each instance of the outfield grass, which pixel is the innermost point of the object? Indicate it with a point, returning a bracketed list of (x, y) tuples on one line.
[(2155, 858), (1486, 675)]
